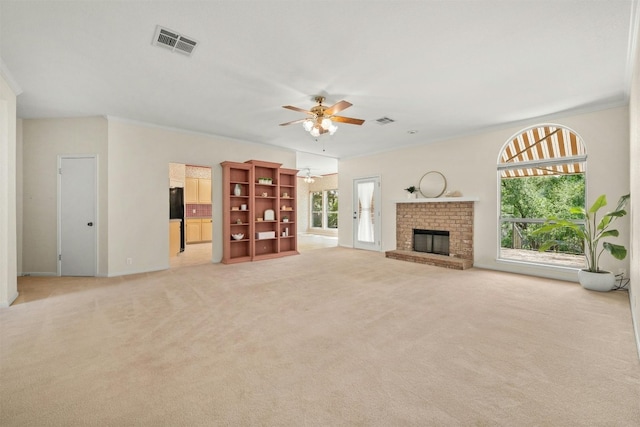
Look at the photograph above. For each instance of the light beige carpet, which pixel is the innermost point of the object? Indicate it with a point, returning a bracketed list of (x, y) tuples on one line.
[(330, 337)]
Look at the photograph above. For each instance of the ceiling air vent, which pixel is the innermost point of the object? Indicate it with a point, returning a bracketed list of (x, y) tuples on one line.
[(169, 39), (384, 120)]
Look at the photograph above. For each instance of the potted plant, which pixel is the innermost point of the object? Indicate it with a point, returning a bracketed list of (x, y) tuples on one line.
[(412, 191), (592, 233), (285, 219)]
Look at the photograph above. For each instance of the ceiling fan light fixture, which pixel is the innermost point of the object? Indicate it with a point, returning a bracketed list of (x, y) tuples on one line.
[(319, 120), (307, 125)]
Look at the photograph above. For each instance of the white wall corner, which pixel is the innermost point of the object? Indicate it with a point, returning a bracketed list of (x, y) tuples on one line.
[(6, 75)]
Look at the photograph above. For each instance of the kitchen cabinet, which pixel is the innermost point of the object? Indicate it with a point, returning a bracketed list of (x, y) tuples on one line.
[(194, 230), (206, 230), (204, 191), (174, 237), (191, 190), (197, 191), (199, 230)]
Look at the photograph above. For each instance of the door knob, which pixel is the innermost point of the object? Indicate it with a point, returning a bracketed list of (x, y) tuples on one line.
[(90, 224)]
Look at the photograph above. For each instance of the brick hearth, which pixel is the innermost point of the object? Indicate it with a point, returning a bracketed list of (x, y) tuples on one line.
[(454, 216)]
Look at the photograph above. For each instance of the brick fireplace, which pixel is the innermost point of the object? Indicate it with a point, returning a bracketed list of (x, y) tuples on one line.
[(454, 215)]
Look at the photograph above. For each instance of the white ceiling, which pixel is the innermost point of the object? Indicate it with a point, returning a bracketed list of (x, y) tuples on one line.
[(442, 68)]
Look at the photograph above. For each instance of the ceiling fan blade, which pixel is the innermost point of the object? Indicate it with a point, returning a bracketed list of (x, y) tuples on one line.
[(336, 108), (291, 107), (292, 122), (348, 120)]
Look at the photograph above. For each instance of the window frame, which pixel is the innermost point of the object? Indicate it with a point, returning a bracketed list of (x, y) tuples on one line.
[(325, 209), (547, 162)]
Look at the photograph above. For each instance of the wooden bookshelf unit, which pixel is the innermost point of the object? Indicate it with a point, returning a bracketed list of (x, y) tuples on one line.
[(259, 202)]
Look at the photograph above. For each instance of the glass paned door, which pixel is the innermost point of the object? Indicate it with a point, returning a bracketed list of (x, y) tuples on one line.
[(366, 214)]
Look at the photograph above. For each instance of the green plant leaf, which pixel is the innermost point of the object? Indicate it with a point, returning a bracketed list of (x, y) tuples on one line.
[(617, 213), (547, 245), (557, 224), (600, 202), (623, 201), (577, 210), (609, 233), (604, 222), (592, 232), (617, 251)]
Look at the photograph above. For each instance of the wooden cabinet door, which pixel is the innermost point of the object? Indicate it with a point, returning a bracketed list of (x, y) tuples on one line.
[(194, 230), (204, 191), (174, 238), (191, 190), (206, 230)]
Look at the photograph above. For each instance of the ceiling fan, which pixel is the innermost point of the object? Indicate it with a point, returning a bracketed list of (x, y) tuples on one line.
[(308, 178), (321, 118)]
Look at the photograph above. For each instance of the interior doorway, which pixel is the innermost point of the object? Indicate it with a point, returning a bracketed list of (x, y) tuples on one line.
[(77, 222), (191, 207)]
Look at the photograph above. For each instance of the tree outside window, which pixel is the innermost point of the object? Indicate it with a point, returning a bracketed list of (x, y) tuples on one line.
[(317, 209), (324, 209), (332, 209)]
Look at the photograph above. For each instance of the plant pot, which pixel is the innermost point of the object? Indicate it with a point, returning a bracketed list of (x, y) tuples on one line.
[(602, 281), (412, 195)]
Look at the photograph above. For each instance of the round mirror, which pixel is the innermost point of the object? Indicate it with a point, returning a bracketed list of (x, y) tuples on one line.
[(432, 184)]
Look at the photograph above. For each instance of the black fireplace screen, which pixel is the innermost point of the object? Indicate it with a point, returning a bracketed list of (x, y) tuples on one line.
[(431, 241)]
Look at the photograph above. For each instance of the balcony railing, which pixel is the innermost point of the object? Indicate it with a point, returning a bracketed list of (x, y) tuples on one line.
[(517, 242)]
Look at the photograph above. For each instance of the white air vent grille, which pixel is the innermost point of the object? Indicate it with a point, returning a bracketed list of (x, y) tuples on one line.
[(385, 120), (170, 39)]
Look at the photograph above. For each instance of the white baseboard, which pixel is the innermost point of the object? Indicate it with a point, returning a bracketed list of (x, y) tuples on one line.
[(39, 273), (11, 300)]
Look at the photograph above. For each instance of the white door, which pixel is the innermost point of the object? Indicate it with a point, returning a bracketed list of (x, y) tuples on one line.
[(366, 214), (77, 216)]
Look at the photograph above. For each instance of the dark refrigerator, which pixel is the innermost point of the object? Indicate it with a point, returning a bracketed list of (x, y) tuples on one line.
[(176, 210)]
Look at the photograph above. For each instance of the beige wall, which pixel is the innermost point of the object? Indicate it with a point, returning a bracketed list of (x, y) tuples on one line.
[(133, 199), (634, 209), (44, 140), (302, 198), (8, 196), (469, 164), (138, 197), (19, 194)]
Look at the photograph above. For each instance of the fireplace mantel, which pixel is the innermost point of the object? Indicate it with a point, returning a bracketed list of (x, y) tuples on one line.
[(438, 200)]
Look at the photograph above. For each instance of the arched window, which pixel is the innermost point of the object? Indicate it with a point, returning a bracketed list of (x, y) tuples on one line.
[(541, 173)]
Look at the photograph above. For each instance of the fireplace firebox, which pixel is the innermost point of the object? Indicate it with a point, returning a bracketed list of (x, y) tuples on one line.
[(431, 241)]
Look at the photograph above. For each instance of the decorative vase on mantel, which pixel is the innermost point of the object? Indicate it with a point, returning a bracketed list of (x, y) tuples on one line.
[(237, 190), (412, 192)]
